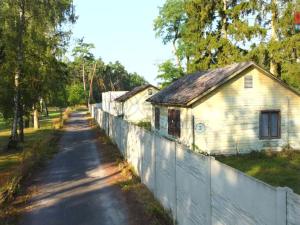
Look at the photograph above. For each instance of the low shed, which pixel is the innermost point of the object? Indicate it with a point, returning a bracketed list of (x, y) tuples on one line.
[(235, 109), (109, 104), (134, 107)]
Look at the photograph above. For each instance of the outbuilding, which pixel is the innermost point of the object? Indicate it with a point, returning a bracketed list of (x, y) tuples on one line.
[(109, 104), (235, 109), (134, 107)]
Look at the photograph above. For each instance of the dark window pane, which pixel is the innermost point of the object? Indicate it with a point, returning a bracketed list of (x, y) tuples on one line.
[(170, 122), (177, 123), (274, 120), (174, 122), (264, 127)]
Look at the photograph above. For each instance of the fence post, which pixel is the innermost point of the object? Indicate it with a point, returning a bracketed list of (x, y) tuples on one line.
[(281, 206)]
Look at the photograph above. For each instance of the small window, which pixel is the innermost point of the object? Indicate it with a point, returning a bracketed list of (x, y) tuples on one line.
[(248, 81), (269, 126), (150, 92), (157, 118), (174, 122)]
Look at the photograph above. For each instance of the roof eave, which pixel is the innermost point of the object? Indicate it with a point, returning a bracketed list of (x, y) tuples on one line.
[(169, 104)]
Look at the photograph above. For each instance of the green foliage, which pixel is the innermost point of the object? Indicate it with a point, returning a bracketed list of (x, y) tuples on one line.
[(145, 125), (210, 34), (170, 22), (82, 50), (276, 168), (32, 42), (76, 94), (98, 77), (168, 73)]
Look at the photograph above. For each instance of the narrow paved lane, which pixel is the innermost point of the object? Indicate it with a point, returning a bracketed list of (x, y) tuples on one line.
[(76, 188)]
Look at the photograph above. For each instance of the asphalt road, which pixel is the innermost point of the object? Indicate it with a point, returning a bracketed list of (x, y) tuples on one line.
[(75, 188)]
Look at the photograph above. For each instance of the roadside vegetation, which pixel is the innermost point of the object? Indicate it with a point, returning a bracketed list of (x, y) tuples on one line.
[(145, 125), (275, 168), (18, 165)]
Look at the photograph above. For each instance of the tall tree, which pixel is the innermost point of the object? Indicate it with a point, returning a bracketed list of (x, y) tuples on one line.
[(29, 28), (169, 24), (83, 55)]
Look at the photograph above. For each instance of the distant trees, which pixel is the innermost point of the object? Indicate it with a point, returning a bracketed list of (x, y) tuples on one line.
[(209, 34), (89, 77), (168, 72)]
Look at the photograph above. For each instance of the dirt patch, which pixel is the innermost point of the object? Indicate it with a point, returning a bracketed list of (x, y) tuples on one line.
[(143, 207)]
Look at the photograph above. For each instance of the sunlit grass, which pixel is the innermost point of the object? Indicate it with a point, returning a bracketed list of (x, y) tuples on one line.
[(275, 168), (10, 160)]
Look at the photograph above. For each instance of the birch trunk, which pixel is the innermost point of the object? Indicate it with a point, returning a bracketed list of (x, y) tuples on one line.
[(36, 124), (83, 78), (18, 76), (21, 123)]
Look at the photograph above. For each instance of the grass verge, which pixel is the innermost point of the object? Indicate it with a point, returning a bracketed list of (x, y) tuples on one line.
[(18, 166), (275, 168)]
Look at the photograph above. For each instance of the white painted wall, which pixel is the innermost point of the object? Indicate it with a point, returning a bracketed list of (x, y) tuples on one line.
[(195, 188), (136, 109), (109, 104), (229, 117)]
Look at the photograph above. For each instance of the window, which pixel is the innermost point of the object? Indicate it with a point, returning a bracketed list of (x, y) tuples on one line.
[(157, 118), (269, 126), (150, 92), (248, 81), (174, 122)]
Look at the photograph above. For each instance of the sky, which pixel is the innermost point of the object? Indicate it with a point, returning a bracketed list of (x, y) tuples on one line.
[(123, 30)]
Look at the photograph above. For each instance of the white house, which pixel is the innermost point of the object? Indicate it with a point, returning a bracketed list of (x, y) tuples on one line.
[(235, 109), (134, 107), (109, 104)]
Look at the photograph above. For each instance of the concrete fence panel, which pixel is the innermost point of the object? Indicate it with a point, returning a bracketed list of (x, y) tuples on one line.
[(240, 199), (133, 148), (293, 208), (165, 172), (192, 187), (148, 165), (198, 189)]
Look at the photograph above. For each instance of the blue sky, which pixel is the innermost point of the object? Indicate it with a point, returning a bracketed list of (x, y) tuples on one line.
[(123, 30)]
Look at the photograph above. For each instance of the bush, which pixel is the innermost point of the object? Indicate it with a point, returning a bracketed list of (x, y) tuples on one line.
[(145, 125), (76, 94)]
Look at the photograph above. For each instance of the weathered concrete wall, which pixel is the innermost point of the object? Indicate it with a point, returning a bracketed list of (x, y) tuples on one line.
[(192, 187), (293, 208), (136, 109), (240, 199), (195, 188)]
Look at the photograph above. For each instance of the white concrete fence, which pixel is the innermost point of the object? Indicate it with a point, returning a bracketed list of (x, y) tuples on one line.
[(198, 189)]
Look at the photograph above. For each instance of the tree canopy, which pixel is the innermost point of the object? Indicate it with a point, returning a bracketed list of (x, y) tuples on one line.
[(209, 34)]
